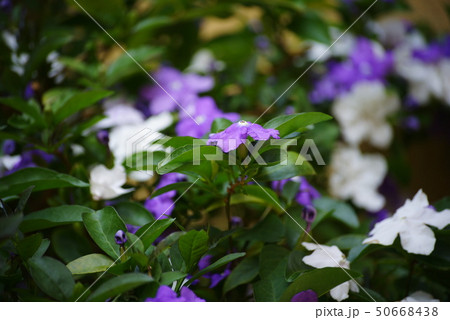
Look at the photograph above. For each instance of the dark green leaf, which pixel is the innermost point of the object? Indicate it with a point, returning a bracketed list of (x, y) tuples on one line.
[(220, 124), (340, 211), (151, 231), (193, 245), (244, 273), (102, 227), (118, 285), (9, 225), (52, 277), (287, 124), (40, 178), (296, 165), (51, 217), (134, 213), (319, 280)]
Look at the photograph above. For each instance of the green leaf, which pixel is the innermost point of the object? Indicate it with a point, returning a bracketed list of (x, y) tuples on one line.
[(9, 225), (272, 262), (71, 242), (268, 290), (219, 263), (340, 211), (185, 155), (29, 245), (30, 108), (287, 124), (54, 216), (145, 160), (257, 194), (40, 178), (319, 280), (220, 124), (25, 195), (193, 245), (91, 263), (118, 285), (151, 23), (244, 273), (167, 278), (295, 265), (347, 241), (124, 66), (311, 26), (151, 231), (134, 213), (271, 229), (45, 243), (79, 102), (296, 165), (102, 226), (178, 186), (52, 277)]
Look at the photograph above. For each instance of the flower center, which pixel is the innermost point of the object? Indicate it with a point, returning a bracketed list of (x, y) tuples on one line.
[(243, 123)]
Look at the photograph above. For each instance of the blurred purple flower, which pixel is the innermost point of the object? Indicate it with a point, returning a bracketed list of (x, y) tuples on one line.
[(262, 42), (132, 229), (215, 278), (204, 261), (236, 134), (120, 237), (9, 146), (236, 221), (411, 123), (305, 296), (204, 110), (28, 92), (31, 158), (103, 137), (378, 217), (365, 63), (163, 204), (430, 54), (5, 6), (309, 214), (165, 294), (307, 193), (181, 87)]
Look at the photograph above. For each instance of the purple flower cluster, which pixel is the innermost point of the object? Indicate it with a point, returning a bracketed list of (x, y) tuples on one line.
[(236, 134), (365, 63), (434, 52), (215, 278), (204, 110), (306, 193), (163, 204), (29, 158), (165, 294), (181, 87)]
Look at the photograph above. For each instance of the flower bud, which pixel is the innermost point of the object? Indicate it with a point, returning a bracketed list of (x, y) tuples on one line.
[(120, 237), (309, 214)]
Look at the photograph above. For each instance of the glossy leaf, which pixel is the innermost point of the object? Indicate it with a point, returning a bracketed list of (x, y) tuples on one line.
[(90, 263), (193, 245)]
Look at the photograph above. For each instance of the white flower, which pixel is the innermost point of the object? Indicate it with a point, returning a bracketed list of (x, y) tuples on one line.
[(362, 114), (8, 162), (326, 256), (420, 296), (203, 61), (356, 176), (119, 112), (106, 183), (410, 222), (125, 140)]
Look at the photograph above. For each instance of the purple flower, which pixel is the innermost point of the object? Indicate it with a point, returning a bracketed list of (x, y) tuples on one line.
[(9, 146), (120, 237), (262, 42), (181, 87), (378, 217), (309, 213), (307, 193), (163, 204), (411, 123), (305, 296), (28, 92), (165, 294), (204, 261), (6, 6), (204, 110), (103, 137), (31, 158), (430, 54), (365, 63), (237, 134), (132, 229), (236, 221), (215, 278)]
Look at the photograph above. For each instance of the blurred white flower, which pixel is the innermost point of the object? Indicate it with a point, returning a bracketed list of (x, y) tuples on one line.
[(357, 177), (362, 114), (8, 162), (204, 61), (107, 183), (341, 48), (125, 140), (391, 32), (420, 296), (56, 67), (326, 256), (119, 112), (411, 222)]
